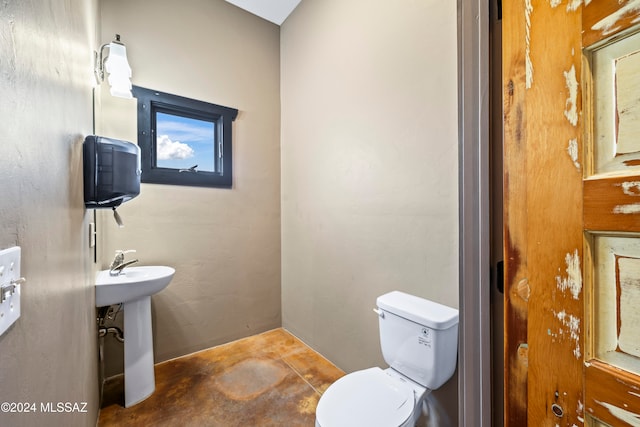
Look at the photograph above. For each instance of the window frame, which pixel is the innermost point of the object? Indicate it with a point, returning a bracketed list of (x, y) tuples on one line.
[(152, 101)]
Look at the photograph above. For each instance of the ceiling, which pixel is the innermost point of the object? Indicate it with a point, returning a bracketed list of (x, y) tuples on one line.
[(275, 11)]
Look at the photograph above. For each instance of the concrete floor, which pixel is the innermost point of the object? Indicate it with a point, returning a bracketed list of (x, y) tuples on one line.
[(270, 379)]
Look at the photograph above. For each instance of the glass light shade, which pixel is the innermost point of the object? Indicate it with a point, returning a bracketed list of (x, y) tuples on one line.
[(119, 71), (120, 86)]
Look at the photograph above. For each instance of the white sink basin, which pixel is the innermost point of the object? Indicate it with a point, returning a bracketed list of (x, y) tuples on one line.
[(133, 283), (134, 287)]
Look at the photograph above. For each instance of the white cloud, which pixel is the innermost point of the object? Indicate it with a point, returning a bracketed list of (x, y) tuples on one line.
[(172, 150)]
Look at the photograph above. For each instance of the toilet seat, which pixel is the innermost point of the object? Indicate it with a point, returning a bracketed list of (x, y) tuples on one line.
[(366, 398)]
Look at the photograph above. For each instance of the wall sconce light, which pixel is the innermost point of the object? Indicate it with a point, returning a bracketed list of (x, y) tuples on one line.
[(117, 66)]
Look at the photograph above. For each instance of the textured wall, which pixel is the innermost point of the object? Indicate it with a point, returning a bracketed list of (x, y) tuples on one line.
[(49, 355), (369, 167), (224, 243)]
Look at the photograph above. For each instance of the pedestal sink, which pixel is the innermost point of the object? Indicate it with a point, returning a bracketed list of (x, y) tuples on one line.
[(134, 287)]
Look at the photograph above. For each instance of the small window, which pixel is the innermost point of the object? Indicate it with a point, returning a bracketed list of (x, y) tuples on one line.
[(184, 141)]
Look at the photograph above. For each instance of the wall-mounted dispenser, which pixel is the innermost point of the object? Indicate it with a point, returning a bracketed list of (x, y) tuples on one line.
[(111, 172)]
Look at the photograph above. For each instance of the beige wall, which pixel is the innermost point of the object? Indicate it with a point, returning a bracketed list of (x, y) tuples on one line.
[(224, 243), (369, 167), (50, 353)]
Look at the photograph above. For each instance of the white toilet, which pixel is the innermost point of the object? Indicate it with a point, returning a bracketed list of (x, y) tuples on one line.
[(419, 340)]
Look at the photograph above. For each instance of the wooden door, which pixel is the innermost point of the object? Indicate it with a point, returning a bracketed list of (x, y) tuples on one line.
[(571, 94)]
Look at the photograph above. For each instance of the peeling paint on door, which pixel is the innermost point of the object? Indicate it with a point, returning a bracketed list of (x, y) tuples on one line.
[(622, 414), (631, 188), (633, 208), (572, 149), (573, 280), (572, 323), (609, 25), (571, 106), (580, 411), (573, 5)]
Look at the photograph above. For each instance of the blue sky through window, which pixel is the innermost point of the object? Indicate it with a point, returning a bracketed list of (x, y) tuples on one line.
[(183, 142)]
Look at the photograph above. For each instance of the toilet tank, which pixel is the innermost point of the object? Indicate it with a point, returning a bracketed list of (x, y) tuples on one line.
[(418, 337)]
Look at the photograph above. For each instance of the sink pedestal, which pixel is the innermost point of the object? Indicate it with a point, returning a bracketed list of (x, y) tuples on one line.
[(133, 287), (139, 378)]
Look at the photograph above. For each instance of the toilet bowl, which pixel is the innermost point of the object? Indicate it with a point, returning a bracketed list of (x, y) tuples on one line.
[(419, 341), (371, 397)]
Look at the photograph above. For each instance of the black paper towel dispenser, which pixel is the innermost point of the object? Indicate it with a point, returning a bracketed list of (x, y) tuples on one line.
[(111, 171)]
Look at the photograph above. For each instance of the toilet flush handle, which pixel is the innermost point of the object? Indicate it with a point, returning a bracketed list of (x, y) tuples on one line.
[(379, 312)]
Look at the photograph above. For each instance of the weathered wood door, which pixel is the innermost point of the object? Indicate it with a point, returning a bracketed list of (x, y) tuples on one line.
[(571, 93)]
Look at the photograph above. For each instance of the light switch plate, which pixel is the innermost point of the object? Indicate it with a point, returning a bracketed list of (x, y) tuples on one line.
[(10, 275)]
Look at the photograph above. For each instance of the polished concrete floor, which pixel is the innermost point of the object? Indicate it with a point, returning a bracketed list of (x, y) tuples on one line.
[(270, 379)]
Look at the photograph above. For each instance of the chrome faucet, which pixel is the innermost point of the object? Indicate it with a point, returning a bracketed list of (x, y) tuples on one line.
[(118, 264)]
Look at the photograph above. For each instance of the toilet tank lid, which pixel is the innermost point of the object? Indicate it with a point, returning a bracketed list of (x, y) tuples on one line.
[(419, 310)]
